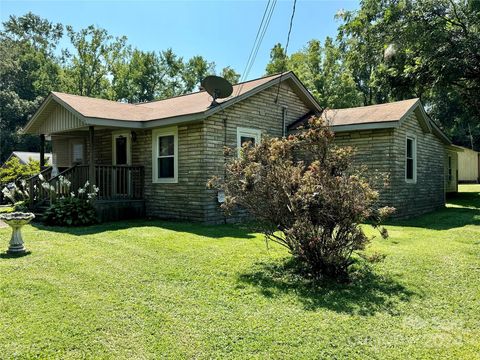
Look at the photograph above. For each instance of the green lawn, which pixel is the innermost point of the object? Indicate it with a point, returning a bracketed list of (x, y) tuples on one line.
[(151, 289)]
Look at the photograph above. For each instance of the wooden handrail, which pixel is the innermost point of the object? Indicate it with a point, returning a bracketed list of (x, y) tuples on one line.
[(115, 182)]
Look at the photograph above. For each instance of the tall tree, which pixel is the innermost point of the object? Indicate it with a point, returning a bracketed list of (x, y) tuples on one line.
[(428, 49), (278, 60), (87, 69), (322, 70), (230, 75), (196, 69), (28, 71)]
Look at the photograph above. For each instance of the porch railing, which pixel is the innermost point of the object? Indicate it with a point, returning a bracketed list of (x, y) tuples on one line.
[(115, 182), (119, 181), (34, 186)]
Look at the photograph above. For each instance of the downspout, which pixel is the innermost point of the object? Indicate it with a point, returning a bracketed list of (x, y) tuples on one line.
[(284, 115)]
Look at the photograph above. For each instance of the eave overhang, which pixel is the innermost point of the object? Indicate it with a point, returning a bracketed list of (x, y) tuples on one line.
[(298, 87)]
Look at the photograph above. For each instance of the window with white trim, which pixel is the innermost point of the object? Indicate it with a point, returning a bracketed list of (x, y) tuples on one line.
[(165, 155), (246, 135), (411, 159)]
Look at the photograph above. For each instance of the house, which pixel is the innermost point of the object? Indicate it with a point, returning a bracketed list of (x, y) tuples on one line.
[(24, 157), (468, 166), (155, 158), (402, 148)]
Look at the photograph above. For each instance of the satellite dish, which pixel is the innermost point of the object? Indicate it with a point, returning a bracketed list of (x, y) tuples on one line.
[(217, 87)]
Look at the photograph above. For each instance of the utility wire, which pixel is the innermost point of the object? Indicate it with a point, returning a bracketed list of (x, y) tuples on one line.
[(286, 49), (262, 29), (262, 36), (256, 39)]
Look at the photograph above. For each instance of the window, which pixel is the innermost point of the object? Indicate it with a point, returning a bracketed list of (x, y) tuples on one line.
[(411, 160), (245, 135), (77, 153), (165, 155)]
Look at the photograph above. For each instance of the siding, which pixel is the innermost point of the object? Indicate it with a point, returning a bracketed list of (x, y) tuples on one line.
[(60, 119), (373, 148), (183, 200), (428, 193), (468, 165), (62, 147), (257, 112), (383, 152)]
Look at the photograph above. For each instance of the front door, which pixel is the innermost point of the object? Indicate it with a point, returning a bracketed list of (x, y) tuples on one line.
[(121, 159)]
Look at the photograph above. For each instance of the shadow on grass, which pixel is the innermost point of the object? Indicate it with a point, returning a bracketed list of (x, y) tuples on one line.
[(464, 209), (212, 231), (7, 255), (366, 294)]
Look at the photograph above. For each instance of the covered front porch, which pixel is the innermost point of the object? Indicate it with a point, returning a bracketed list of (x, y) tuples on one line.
[(103, 156)]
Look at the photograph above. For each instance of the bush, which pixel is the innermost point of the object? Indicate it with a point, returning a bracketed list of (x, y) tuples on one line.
[(13, 170), (71, 211), (306, 196)]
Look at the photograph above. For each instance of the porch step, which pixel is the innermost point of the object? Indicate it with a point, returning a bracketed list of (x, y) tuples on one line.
[(39, 211)]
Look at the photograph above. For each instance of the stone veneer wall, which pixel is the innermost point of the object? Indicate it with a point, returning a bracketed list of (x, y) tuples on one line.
[(428, 193), (383, 151), (373, 148), (257, 112)]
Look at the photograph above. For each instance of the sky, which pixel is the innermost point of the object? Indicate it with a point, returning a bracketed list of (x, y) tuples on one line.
[(220, 31)]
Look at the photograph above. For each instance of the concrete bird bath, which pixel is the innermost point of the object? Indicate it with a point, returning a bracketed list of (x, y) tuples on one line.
[(16, 220)]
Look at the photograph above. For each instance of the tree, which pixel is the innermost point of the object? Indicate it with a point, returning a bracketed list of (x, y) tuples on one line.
[(28, 71), (322, 70), (41, 34), (87, 70), (428, 49), (195, 70), (230, 75), (313, 208), (13, 170)]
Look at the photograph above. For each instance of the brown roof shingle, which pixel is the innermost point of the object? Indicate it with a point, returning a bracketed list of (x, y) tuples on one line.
[(193, 103), (393, 111)]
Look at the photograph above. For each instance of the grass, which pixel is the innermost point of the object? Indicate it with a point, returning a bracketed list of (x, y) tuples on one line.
[(151, 289)]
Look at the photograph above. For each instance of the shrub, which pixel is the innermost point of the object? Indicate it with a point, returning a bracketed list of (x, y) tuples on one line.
[(305, 195), (73, 209), (13, 170), (16, 193)]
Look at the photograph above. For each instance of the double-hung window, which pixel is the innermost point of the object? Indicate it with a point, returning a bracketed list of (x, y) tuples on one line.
[(411, 159), (246, 135), (165, 155)]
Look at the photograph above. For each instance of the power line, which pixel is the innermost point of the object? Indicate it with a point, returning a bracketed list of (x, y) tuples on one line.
[(286, 48), (262, 36), (256, 39), (262, 29)]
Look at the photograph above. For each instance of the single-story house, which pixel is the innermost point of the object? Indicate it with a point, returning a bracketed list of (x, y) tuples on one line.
[(468, 166), (155, 158), (411, 161), (24, 157)]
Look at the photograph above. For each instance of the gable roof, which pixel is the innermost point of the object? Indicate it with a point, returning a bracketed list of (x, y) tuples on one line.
[(380, 116), (190, 107), (25, 156), (388, 112)]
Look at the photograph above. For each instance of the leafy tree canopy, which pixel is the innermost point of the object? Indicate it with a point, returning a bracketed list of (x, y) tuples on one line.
[(97, 64), (399, 49)]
